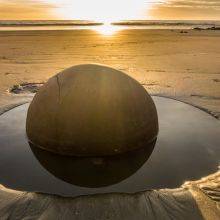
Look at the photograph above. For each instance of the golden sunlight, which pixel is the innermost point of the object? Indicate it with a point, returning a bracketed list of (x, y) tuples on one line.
[(100, 10), (107, 29)]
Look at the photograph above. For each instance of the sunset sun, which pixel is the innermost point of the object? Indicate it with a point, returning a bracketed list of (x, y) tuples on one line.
[(99, 10), (105, 12)]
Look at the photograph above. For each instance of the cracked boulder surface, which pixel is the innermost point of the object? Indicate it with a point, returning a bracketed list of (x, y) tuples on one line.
[(91, 110)]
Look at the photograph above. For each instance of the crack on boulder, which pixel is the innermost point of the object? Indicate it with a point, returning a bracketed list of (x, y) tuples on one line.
[(59, 89)]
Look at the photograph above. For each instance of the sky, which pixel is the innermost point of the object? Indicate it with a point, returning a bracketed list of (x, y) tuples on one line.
[(110, 10)]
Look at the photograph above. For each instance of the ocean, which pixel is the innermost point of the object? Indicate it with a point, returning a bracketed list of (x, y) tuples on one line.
[(6, 25)]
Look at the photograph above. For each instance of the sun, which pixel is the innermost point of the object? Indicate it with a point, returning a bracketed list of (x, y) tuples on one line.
[(105, 11)]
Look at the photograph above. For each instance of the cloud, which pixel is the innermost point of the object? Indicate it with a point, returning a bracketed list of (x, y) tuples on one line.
[(187, 9), (25, 9), (155, 9), (193, 3)]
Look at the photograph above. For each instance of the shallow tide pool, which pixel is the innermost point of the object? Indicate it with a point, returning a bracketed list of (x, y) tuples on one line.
[(187, 148)]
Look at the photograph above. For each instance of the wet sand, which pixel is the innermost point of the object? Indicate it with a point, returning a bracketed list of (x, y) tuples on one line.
[(184, 65), (164, 163), (194, 201)]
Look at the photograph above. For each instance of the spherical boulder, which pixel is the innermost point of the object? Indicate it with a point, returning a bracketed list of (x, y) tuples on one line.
[(91, 110)]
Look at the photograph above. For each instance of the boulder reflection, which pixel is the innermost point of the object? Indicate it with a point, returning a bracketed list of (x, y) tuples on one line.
[(93, 172)]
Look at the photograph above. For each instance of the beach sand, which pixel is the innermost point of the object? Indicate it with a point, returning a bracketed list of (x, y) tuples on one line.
[(197, 200), (182, 65)]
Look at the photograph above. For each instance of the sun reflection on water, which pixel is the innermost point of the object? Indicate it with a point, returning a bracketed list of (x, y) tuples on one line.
[(107, 29)]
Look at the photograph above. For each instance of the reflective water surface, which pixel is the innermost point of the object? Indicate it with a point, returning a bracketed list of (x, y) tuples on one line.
[(93, 172), (187, 148)]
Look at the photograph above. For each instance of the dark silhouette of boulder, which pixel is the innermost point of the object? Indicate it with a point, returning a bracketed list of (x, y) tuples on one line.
[(91, 110)]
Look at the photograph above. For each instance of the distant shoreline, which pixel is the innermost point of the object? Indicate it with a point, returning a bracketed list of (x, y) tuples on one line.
[(24, 23), (20, 25), (122, 22)]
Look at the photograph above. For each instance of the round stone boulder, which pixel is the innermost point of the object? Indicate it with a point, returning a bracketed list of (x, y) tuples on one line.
[(91, 110)]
